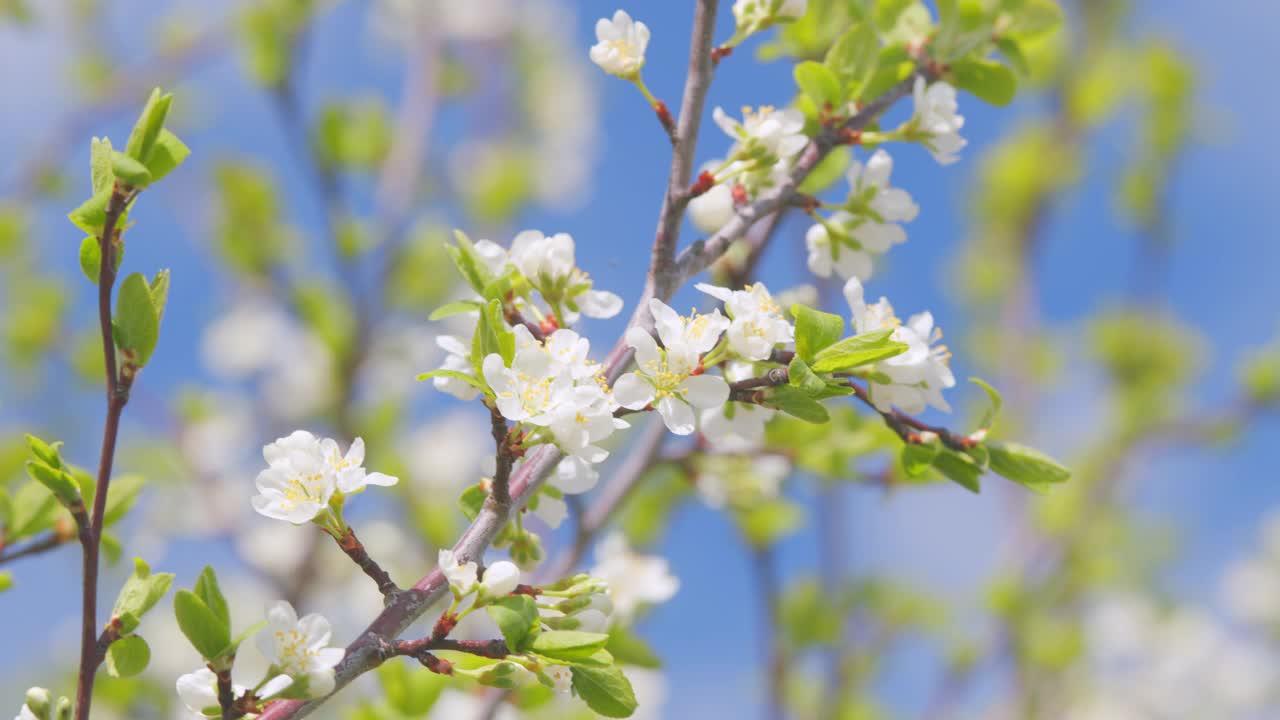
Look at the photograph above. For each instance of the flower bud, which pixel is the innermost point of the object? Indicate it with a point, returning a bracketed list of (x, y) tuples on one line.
[(500, 579), (38, 702)]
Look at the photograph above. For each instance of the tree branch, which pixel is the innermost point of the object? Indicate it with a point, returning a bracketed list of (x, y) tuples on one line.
[(117, 386), (355, 550), (50, 541)]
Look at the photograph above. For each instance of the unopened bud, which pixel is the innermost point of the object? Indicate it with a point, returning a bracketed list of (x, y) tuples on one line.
[(38, 702)]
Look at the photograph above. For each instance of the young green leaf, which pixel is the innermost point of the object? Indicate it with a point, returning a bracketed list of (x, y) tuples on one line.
[(796, 402), (468, 379), (143, 137), (819, 83), (988, 81), (140, 593), (516, 616), (605, 689), (854, 55), (129, 171), (469, 264), (137, 326), (202, 626), (960, 469), (919, 457), (815, 330), (168, 153), (46, 453), (802, 377), (472, 500), (629, 649), (997, 402), (159, 288), (854, 352), (91, 257), (100, 165), (91, 216), (58, 481), (1026, 466), (127, 656), (208, 591), (454, 308), (567, 643)]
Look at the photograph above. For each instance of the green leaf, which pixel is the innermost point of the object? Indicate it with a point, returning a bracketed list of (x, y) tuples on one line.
[(960, 469), (91, 216), (988, 81), (853, 57), (58, 481), (764, 524), (129, 171), (137, 326), (1026, 466), (45, 452), (469, 264), (1012, 52), (128, 656), (91, 257), (202, 626), (504, 340), (605, 689), (168, 153), (516, 616), (100, 165), (33, 510), (815, 330), (567, 643), (854, 352), (140, 593), (829, 171), (819, 83), (208, 591), (160, 293), (121, 496), (468, 379), (997, 402), (629, 649), (410, 692), (919, 457), (454, 308), (6, 580), (802, 377), (472, 500), (796, 402), (145, 132)]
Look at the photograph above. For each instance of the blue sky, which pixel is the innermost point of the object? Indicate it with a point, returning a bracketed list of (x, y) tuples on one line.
[(1220, 280)]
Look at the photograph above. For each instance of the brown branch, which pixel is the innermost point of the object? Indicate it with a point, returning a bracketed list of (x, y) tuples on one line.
[(355, 550), (226, 695), (51, 541), (496, 649), (504, 457), (117, 387), (910, 429)]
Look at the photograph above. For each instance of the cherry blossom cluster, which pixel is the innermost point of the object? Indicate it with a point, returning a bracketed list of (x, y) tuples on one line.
[(915, 378), (307, 479), (301, 664)]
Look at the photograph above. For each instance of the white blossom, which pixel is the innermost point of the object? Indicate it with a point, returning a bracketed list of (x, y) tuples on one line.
[(634, 580), (756, 322), (766, 132), (549, 265), (461, 576), (735, 427), (827, 254), (918, 376), (298, 482), (349, 468), (457, 359), (561, 675), (935, 113), (711, 210), (299, 648), (671, 376), (542, 258), (620, 45), (753, 15), (500, 579), (198, 691)]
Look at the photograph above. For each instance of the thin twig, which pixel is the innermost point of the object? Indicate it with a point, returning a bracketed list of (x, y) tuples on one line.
[(355, 550), (117, 388), (51, 541)]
